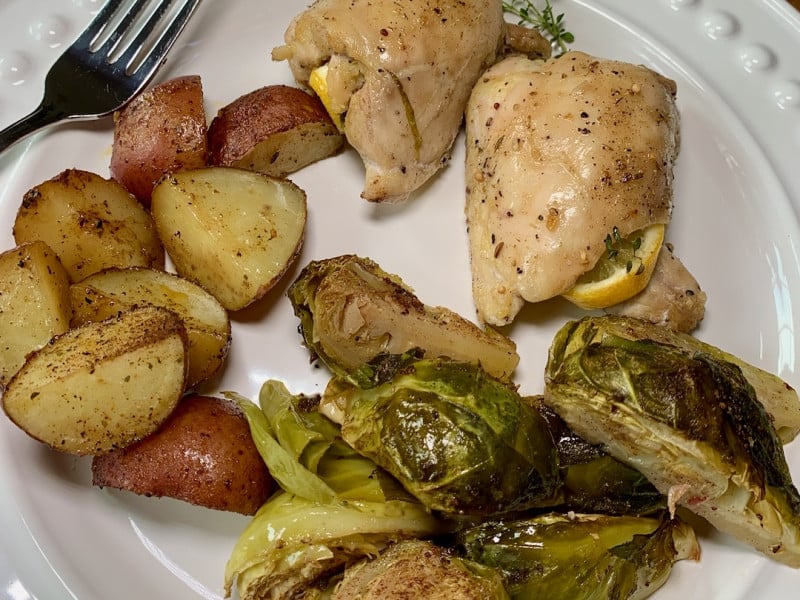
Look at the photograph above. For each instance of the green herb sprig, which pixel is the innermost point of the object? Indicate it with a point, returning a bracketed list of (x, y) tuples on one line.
[(548, 24), (615, 243)]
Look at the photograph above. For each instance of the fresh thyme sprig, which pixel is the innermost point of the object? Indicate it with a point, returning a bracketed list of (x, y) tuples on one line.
[(615, 242), (550, 25)]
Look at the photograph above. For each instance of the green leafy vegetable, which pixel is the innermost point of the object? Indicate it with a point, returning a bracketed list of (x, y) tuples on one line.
[(336, 506), (594, 481), (457, 439), (550, 25), (687, 419), (351, 312), (293, 544), (577, 557)]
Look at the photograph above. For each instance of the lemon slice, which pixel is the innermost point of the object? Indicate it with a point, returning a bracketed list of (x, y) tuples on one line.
[(623, 271), (318, 81)]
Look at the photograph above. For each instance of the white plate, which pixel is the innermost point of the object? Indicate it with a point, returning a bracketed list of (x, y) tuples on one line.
[(735, 226)]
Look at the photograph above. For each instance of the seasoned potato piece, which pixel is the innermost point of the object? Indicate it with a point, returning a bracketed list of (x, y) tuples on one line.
[(160, 131), (90, 222), (276, 130), (234, 232), (207, 323), (103, 385), (203, 454), (34, 303)]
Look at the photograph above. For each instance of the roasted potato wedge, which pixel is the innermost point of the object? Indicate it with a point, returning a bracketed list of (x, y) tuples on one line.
[(207, 323), (203, 454), (232, 231), (276, 130), (34, 303), (160, 131), (91, 223), (103, 385)]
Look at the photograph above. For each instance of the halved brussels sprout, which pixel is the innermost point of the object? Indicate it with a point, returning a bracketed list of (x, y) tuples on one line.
[(294, 544), (687, 419), (595, 481), (306, 454), (351, 311), (338, 506), (578, 556), (419, 569), (460, 441), (778, 397)]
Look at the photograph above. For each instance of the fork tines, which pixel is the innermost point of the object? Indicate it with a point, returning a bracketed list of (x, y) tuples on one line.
[(135, 33)]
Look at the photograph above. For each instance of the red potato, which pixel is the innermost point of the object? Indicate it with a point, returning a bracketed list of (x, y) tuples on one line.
[(34, 303), (275, 130), (90, 222), (162, 130), (232, 231), (203, 454), (103, 385)]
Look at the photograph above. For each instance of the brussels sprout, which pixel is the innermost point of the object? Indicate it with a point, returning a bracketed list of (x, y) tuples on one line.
[(419, 569), (687, 419), (338, 506), (778, 397), (351, 311), (305, 453), (459, 440), (575, 557), (594, 481), (294, 544)]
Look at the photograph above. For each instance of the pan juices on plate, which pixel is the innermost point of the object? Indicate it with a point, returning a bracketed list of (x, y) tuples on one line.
[(569, 174)]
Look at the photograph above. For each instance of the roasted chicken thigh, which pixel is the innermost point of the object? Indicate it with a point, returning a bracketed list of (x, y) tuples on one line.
[(560, 153), (398, 75)]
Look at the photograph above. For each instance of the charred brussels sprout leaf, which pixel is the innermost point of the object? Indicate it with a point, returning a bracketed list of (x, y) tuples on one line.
[(594, 481), (459, 440), (351, 311), (687, 419), (581, 556)]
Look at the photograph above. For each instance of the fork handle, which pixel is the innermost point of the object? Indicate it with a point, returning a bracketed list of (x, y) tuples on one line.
[(43, 115)]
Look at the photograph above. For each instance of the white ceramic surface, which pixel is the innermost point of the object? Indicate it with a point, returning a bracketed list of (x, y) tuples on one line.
[(735, 226)]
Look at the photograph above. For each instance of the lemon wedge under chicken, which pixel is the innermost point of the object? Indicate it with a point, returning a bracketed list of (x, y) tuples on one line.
[(569, 181)]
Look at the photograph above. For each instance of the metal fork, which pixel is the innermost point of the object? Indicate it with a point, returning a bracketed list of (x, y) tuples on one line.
[(112, 61)]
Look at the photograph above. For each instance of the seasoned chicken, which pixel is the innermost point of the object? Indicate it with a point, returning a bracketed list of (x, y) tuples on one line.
[(560, 153), (400, 71), (672, 297)]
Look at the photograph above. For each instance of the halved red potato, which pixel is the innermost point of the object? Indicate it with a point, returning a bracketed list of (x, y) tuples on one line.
[(207, 323), (103, 385), (203, 454), (232, 231), (34, 303), (275, 130), (160, 131), (90, 222)]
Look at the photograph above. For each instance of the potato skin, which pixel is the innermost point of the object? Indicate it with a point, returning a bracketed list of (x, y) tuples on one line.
[(103, 385), (203, 454), (276, 130), (162, 130)]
